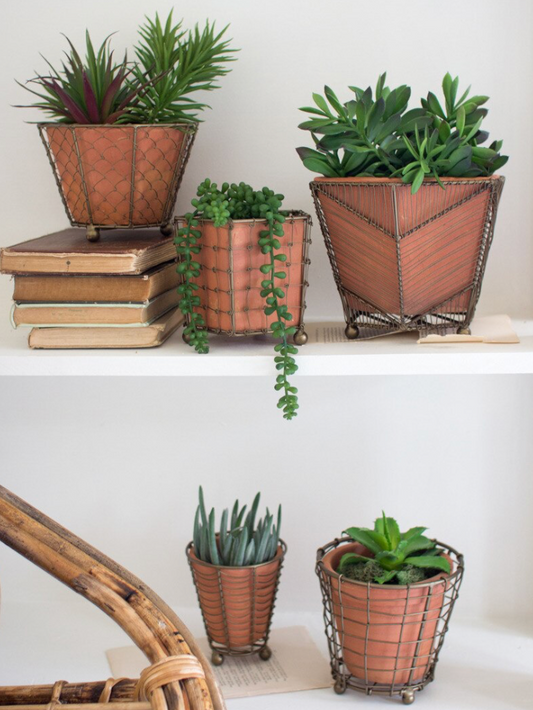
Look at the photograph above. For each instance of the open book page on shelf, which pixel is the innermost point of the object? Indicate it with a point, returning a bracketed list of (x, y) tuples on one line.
[(296, 664)]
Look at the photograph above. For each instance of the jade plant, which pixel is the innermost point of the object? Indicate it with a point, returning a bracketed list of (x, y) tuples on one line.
[(374, 134), (397, 558), (221, 205), (238, 541), (171, 64)]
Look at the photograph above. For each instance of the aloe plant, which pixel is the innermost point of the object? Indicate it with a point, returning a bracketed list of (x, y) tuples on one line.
[(399, 558), (373, 134), (94, 90), (239, 541)]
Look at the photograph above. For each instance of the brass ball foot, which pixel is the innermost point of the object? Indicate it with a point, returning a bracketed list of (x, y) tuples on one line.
[(265, 653), (217, 659), (340, 686), (464, 331), (186, 337), (92, 233), (166, 230), (408, 697), (351, 331), (300, 337)]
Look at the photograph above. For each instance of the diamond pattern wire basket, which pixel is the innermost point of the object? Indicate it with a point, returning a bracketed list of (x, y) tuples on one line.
[(407, 262), (237, 604), (123, 176), (385, 639), (230, 277)]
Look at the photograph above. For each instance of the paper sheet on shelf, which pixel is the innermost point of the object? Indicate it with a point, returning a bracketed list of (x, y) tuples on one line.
[(485, 329), (296, 664)]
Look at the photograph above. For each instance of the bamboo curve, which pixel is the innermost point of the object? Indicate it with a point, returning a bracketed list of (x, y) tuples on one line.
[(149, 622)]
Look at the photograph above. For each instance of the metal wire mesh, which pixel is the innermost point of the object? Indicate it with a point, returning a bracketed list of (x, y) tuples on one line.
[(237, 603), (385, 639), (230, 277), (407, 262), (118, 175)]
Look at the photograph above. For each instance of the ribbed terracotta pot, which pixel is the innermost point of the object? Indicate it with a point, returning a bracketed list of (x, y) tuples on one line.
[(118, 175), (230, 277), (237, 603), (402, 261), (388, 634)]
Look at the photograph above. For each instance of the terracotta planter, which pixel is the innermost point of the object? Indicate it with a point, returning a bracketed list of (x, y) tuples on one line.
[(407, 262), (385, 637), (118, 175), (237, 603), (230, 278)]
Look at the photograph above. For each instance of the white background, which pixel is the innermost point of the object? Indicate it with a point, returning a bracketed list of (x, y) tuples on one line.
[(119, 461)]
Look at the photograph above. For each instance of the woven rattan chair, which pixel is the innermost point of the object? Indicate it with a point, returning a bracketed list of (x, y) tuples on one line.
[(179, 677)]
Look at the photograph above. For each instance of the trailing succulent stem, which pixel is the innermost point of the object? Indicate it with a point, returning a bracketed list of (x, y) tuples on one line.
[(375, 135), (239, 541), (398, 558), (221, 205)]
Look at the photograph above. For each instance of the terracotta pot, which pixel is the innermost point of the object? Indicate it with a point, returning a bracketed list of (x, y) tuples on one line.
[(230, 277), (388, 633), (237, 603), (118, 175), (402, 255)]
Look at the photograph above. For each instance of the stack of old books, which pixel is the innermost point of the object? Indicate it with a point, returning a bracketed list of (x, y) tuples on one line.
[(118, 293)]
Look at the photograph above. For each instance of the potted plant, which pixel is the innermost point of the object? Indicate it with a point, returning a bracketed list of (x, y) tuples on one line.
[(388, 597), (123, 132), (407, 204), (236, 569), (243, 263)]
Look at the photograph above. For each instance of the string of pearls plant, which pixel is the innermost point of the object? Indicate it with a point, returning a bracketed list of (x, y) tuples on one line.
[(221, 205)]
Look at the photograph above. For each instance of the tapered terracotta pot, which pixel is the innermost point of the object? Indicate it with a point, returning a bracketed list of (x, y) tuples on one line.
[(384, 637), (237, 603), (230, 277), (118, 175), (404, 261)]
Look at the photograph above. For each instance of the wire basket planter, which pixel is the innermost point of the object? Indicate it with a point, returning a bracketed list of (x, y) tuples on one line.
[(406, 262), (178, 677), (385, 639), (237, 604), (118, 176), (230, 277)]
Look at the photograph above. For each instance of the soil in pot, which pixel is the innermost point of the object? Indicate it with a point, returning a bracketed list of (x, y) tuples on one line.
[(387, 632), (237, 602)]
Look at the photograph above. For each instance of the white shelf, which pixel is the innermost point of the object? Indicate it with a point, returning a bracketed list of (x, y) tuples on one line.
[(483, 666), (253, 357)]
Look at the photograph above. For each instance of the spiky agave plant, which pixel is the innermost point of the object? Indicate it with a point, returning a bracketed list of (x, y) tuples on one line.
[(239, 542), (398, 558), (95, 91), (185, 61)]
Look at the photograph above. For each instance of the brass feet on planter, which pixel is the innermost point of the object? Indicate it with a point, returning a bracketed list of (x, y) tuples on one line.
[(464, 331), (408, 697), (166, 230), (300, 337), (265, 653), (186, 337), (351, 331), (217, 659), (92, 233), (340, 686)]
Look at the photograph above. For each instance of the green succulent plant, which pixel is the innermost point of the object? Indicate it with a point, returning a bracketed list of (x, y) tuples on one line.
[(239, 541), (94, 90), (177, 63), (241, 202), (398, 558), (373, 134)]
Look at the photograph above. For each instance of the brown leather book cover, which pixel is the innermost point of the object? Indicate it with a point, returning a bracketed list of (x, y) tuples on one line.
[(149, 336), (119, 251), (101, 288)]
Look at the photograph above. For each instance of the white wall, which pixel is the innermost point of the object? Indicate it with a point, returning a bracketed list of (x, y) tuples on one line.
[(119, 462)]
